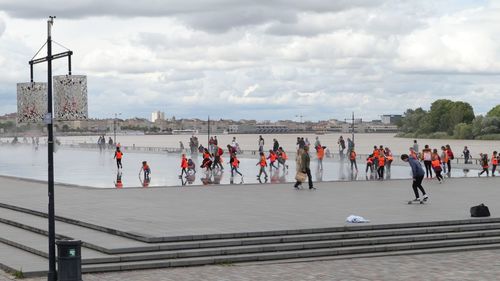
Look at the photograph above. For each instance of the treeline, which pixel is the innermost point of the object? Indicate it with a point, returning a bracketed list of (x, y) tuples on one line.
[(449, 119)]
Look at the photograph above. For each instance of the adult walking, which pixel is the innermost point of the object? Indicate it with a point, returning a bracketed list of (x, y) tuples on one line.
[(418, 175), (427, 157), (261, 144), (305, 161)]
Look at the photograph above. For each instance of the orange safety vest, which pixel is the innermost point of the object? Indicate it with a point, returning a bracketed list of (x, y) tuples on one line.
[(263, 162), (184, 163), (369, 160), (272, 157), (321, 152), (376, 153), (494, 160), (381, 161), (206, 155), (353, 155), (284, 156), (389, 157), (235, 162), (119, 155), (436, 163)]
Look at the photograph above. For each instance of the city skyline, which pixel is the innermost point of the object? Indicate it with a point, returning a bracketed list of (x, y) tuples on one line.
[(264, 60)]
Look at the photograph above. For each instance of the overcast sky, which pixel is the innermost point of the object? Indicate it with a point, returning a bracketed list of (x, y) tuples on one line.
[(261, 59)]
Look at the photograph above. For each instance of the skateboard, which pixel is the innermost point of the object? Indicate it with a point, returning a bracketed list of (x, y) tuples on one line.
[(418, 202)]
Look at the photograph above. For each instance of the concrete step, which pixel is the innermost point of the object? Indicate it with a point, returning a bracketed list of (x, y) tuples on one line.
[(113, 244), (292, 246), (19, 260), (347, 252), (36, 244)]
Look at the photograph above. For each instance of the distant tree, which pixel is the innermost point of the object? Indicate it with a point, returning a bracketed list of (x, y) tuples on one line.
[(463, 131), (494, 112)]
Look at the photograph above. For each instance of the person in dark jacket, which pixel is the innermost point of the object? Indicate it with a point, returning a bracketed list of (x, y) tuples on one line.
[(418, 175)]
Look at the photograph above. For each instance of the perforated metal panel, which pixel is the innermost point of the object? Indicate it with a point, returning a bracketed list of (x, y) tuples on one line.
[(31, 102), (70, 97)]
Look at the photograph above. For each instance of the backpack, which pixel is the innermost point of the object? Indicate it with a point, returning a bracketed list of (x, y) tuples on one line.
[(479, 211), (220, 151)]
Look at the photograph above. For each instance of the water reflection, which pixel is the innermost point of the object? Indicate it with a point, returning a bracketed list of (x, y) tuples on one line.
[(118, 182)]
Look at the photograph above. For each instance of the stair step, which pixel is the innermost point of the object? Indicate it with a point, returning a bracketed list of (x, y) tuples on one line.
[(424, 247), (282, 247)]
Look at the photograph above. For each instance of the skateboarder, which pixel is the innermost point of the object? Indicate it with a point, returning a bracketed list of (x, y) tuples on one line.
[(418, 175)]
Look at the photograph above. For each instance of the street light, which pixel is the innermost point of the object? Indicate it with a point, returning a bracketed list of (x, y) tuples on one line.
[(114, 127)]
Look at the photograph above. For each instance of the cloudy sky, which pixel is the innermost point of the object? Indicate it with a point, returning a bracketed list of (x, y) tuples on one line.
[(261, 59)]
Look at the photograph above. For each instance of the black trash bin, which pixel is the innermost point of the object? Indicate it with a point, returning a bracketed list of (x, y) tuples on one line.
[(69, 260)]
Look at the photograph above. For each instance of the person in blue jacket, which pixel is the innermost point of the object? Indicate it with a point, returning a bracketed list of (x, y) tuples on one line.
[(418, 175)]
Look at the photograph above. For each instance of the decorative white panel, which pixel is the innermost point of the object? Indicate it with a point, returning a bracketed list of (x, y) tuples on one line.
[(31, 102), (70, 97)]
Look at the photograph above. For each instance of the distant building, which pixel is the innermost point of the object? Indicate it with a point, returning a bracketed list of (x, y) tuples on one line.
[(390, 119), (157, 115)]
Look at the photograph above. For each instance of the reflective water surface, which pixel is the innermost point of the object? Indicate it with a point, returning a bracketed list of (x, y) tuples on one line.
[(95, 169)]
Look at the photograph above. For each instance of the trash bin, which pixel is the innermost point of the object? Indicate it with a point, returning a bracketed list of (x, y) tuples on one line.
[(69, 260)]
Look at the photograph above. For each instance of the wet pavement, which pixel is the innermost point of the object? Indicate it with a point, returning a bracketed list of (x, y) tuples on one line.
[(90, 167)]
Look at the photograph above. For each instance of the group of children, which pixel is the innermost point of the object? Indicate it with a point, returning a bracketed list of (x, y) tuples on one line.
[(485, 163)]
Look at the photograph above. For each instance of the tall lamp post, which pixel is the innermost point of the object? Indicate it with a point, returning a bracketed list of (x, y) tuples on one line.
[(114, 127)]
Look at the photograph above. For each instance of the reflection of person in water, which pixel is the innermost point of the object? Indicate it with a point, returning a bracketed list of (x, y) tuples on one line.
[(119, 182), (147, 171)]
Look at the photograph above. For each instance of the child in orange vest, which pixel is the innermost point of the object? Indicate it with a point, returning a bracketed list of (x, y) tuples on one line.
[(320, 153), (282, 157), (352, 158), (184, 165), (234, 163), (494, 163), (263, 164), (147, 171), (436, 165), (272, 158), (484, 164), (118, 156), (369, 164), (381, 165)]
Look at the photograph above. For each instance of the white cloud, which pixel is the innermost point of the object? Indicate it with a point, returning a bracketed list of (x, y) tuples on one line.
[(271, 59)]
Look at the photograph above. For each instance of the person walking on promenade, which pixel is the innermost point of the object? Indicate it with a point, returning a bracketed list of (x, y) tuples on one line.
[(350, 146), (484, 164), (320, 154), (341, 143), (272, 159), (449, 152), (276, 145), (415, 146), (181, 146), (234, 163), (147, 171), (466, 154), (305, 161), (444, 158), (184, 166), (261, 144), (207, 161), (263, 164), (317, 142), (218, 158), (369, 164), (375, 153), (436, 165), (494, 163), (427, 157), (282, 157), (381, 165), (352, 158), (418, 175), (118, 156), (389, 159)]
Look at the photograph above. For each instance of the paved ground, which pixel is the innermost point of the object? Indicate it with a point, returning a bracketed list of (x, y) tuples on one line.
[(222, 209), (475, 265)]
